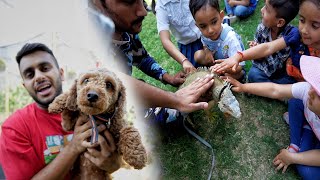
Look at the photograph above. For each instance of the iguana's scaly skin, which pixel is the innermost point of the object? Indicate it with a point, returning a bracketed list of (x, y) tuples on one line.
[(227, 102)]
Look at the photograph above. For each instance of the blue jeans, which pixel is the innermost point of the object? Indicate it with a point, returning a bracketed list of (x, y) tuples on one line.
[(304, 138), (308, 142), (188, 50), (239, 11), (296, 120), (165, 118), (279, 77)]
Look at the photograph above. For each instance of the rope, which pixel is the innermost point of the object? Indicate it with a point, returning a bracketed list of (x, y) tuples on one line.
[(204, 142)]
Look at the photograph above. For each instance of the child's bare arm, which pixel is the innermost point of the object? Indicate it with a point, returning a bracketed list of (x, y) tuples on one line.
[(174, 52), (270, 90), (256, 52), (309, 158), (286, 158), (240, 2)]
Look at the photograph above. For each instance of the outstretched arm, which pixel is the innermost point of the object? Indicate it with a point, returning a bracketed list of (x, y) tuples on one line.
[(286, 158), (107, 157), (148, 65), (270, 90), (174, 52), (309, 158), (190, 94), (184, 100), (239, 2), (256, 52)]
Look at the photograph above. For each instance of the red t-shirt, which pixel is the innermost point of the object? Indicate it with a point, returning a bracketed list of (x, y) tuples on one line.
[(30, 139)]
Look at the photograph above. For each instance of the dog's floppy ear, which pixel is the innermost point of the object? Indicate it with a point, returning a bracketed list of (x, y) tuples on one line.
[(121, 97), (72, 98)]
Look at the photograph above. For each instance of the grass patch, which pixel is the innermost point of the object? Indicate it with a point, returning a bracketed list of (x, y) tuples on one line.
[(244, 148)]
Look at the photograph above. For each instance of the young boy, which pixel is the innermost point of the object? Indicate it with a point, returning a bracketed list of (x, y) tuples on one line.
[(309, 35), (275, 39), (219, 40), (307, 156)]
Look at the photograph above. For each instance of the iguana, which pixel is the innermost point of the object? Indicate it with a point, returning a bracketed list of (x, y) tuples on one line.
[(220, 92)]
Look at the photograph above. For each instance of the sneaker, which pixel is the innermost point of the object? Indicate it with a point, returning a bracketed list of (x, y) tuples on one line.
[(285, 117), (233, 19), (226, 20)]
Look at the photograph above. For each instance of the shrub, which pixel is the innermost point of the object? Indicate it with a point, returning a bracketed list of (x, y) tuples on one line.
[(18, 98), (2, 65)]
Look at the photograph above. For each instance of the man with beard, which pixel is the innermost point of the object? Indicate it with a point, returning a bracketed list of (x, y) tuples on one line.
[(32, 139), (126, 41)]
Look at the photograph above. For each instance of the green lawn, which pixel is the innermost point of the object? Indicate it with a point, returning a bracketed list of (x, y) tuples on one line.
[(244, 148)]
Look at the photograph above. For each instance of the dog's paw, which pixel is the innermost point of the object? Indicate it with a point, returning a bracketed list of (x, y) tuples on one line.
[(53, 108), (131, 148), (59, 104)]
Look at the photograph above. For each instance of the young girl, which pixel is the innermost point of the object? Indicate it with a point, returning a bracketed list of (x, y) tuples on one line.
[(307, 159), (182, 26), (219, 40)]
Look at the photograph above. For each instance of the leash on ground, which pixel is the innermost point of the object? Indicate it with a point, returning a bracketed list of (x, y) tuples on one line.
[(155, 111), (199, 138)]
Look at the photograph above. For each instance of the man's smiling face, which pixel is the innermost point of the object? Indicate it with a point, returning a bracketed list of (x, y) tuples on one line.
[(41, 77)]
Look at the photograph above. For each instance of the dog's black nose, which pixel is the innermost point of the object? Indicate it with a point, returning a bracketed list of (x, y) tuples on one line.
[(92, 96)]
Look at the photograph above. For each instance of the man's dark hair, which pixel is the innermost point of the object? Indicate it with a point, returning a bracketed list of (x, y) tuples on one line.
[(30, 48), (196, 5), (286, 9), (315, 2), (103, 3)]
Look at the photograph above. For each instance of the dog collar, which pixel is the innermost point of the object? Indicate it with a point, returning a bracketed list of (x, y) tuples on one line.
[(106, 119), (94, 136)]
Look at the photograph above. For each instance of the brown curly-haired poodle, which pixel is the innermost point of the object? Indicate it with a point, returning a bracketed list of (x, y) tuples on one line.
[(100, 92)]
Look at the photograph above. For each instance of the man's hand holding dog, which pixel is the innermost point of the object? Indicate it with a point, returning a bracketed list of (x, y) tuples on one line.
[(82, 132), (107, 158)]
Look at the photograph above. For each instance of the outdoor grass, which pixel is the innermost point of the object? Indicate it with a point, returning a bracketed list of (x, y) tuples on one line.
[(244, 148)]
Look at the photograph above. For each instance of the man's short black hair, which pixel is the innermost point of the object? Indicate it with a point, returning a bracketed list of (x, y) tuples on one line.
[(286, 9), (196, 5), (30, 48)]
